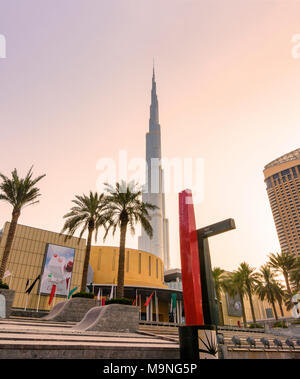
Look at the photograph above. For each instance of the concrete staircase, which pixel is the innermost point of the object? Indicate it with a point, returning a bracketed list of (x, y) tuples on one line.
[(27, 338)]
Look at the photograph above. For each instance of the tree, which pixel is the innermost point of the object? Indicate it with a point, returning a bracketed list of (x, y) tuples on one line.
[(268, 288), (284, 263), (295, 275), (220, 285), (125, 209), (249, 278), (234, 285), (89, 215), (19, 193)]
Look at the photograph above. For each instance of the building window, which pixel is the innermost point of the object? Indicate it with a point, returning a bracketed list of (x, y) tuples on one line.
[(269, 183)]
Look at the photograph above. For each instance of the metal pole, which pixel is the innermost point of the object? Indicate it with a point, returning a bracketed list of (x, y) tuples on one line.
[(37, 308), (10, 281), (26, 301), (156, 308), (140, 306)]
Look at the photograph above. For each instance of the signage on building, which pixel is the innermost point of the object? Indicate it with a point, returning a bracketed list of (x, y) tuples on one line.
[(57, 269)]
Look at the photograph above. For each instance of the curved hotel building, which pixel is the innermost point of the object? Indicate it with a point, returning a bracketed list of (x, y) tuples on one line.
[(282, 177)]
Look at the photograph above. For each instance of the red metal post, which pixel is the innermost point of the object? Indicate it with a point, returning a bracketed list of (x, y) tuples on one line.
[(190, 267)]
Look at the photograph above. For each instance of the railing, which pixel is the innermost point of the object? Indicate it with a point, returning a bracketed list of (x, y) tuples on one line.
[(159, 323)]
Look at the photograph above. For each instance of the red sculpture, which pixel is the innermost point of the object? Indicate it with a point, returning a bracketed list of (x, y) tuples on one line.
[(190, 267)]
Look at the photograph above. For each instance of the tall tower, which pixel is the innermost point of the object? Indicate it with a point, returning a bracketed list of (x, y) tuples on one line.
[(153, 190), (282, 177)]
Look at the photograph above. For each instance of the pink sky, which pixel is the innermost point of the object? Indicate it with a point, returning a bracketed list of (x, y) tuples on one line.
[(75, 87)]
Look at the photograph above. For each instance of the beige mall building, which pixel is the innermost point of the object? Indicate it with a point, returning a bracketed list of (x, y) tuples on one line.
[(282, 177)]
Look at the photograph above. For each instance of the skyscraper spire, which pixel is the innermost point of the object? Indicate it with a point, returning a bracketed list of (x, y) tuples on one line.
[(154, 121), (159, 244), (153, 76)]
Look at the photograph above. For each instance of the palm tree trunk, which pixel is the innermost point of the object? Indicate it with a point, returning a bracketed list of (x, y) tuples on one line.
[(9, 241), (86, 261), (286, 278), (221, 316), (243, 311), (121, 273), (281, 309), (251, 306), (220, 309), (274, 309)]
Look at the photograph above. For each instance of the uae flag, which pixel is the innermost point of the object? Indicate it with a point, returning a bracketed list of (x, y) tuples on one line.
[(148, 301), (53, 290), (72, 291), (6, 274), (29, 289)]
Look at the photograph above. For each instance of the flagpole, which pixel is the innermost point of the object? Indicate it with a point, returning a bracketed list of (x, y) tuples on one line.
[(140, 298), (37, 308), (26, 302)]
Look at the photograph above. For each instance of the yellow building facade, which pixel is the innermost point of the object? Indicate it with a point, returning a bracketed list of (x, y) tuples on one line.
[(26, 260), (144, 275), (141, 268)]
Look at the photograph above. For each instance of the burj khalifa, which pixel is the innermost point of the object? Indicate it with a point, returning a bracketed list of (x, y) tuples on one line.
[(153, 190)]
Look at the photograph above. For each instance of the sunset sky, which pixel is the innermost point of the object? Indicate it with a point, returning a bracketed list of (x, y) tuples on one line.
[(75, 88)]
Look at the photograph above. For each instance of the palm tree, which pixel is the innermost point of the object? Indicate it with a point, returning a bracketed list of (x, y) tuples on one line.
[(125, 209), (295, 275), (89, 215), (234, 285), (284, 263), (249, 277), (19, 193), (268, 288), (220, 285)]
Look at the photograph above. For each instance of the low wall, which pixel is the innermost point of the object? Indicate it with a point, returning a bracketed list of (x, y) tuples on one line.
[(72, 310), (111, 318), (9, 297), (230, 353)]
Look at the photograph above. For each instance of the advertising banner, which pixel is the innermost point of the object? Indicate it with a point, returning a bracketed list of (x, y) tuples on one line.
[(234, 305), (57, 270)]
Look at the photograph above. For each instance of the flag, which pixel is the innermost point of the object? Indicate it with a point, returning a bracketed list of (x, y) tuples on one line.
[(29, 289), (133, 301), (53, 290), (148, 301), (6, 274), (98, 296), (72, 291), (173, 301), (111, 292)]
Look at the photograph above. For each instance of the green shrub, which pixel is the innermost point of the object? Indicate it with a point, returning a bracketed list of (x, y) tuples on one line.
[(121, 300), (84, 294), (279, 324), (295, 322), (256, 326), (3, 285)]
